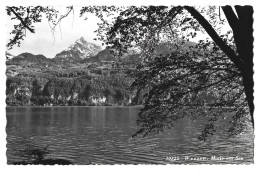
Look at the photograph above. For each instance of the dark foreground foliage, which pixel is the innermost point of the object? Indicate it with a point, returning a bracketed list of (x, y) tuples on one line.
[(35, 155)]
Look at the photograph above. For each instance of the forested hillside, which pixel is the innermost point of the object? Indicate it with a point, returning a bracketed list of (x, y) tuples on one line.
[(74, 78)]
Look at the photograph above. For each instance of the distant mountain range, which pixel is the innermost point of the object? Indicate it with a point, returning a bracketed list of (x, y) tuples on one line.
[(29, 58), (81, 51), (81, 54)]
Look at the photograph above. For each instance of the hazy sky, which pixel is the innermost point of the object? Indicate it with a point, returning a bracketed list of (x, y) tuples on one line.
[(42, 42)]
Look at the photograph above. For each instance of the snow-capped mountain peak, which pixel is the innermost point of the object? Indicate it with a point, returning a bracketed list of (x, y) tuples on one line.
[(8, 56), (80, 49)]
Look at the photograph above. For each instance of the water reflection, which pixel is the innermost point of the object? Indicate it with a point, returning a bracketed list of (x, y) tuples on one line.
[(102, 135)]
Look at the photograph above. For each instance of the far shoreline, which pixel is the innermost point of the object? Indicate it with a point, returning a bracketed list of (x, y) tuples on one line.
[(119, 106), (115, 106)]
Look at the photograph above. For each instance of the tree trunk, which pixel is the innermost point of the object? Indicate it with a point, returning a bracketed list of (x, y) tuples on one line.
[(242, 26), (249, 91), (243, 35)]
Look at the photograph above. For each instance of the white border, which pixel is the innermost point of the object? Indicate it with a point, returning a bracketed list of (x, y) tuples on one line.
[(4, 166)]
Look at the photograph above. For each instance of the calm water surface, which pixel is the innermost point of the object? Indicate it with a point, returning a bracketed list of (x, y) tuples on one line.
[(102, 135)]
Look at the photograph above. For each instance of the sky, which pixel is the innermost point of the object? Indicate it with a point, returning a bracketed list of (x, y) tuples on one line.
[(42, 41)]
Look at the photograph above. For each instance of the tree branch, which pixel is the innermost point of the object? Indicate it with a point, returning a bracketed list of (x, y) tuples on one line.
[(62, 17), (213, 34), (231, 17), (23, 22), (235, 24)]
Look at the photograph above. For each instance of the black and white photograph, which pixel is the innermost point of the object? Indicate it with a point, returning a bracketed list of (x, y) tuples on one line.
[(129, 84)]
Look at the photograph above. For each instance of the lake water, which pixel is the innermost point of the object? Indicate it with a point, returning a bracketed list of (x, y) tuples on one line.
[(102, 135)]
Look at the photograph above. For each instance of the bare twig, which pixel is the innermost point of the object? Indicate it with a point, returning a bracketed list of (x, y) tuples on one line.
[(62, 17)]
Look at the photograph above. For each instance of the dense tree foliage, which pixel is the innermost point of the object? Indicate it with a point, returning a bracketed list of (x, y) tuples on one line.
[(222, 66)]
